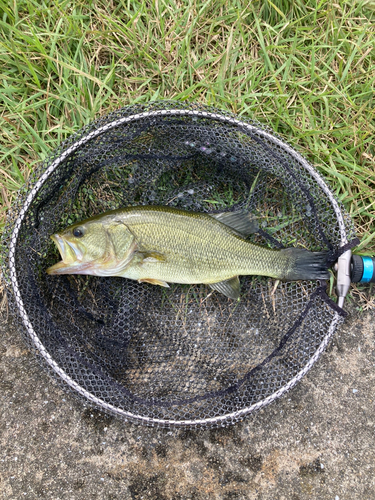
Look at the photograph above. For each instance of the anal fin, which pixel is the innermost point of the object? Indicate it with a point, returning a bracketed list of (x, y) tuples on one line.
[(154, 282), (230, 288)]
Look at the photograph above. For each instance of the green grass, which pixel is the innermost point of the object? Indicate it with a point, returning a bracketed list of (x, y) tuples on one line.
[(306, 68)]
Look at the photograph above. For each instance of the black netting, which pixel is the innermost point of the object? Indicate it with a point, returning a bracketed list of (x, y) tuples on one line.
[(183, 355)]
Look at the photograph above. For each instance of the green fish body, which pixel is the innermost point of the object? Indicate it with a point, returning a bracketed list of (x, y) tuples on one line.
[(161, 245)]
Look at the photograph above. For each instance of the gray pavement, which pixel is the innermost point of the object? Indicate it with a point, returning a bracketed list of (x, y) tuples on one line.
[(317, 442)]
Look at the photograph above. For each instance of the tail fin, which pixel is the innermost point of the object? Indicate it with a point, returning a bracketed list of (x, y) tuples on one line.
[(306, 265)]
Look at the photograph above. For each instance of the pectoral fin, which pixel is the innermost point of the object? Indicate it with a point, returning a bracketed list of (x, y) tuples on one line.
[(154, 282), (152, 257), (230, 288), (243, 223)]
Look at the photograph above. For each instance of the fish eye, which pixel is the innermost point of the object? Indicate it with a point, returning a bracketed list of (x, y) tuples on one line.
[(77, 232)]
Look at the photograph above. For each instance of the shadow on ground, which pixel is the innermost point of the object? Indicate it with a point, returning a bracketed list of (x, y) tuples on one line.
[(316, 442)]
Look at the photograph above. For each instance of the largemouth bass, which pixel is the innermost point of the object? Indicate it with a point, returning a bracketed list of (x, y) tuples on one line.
[(161, 245)]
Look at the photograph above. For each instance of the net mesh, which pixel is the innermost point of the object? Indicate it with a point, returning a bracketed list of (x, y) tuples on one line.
[(184, 355)]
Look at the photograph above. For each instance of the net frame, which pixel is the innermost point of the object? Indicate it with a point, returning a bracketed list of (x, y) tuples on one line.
[(12, 277)]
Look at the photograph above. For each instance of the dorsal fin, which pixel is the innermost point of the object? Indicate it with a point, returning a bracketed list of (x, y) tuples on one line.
[(243, 223)]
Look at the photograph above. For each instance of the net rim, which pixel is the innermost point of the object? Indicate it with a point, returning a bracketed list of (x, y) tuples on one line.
[(237, 415), (34, 336)]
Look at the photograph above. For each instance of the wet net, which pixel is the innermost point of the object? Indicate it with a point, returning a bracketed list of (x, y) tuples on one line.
[(183, 356)]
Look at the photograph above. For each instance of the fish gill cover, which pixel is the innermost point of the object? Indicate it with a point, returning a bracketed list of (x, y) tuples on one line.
[(184, 355)]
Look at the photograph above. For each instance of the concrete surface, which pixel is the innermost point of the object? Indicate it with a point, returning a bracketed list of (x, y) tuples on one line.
[(316, 442)]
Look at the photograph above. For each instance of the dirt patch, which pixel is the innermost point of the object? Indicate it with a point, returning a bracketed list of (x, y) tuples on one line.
[(316, 442)]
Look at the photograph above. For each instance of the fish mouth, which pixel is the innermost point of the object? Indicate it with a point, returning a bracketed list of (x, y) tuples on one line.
[(62, 268), (71, 256)]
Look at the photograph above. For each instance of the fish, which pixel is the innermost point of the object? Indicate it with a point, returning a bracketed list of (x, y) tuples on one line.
[(162, 245)]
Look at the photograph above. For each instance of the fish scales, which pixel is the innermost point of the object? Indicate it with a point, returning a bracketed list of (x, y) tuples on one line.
[(162, 245), (197, 248)]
